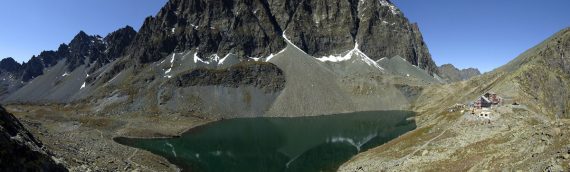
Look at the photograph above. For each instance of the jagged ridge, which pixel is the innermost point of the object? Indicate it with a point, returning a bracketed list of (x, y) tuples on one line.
[(451, 74), (254, 29)]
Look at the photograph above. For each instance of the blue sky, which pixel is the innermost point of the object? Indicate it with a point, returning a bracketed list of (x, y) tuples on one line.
[(484, 33), (467, 33), (31, 26)]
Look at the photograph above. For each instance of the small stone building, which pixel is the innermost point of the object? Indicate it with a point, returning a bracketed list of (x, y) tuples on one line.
[(486, 101)]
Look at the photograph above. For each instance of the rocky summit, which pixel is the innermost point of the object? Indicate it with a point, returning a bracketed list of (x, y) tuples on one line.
[(451, 74), (256, 29)]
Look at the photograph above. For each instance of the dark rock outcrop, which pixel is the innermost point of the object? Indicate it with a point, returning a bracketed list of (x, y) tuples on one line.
[(33, 68), (10, 72), (118, 41), (243, 28), (49, 58), (115, 45), (9, 65), (263, 75), (98, 51), (19, 150), (84, 47), (451, 74), (255, 29)]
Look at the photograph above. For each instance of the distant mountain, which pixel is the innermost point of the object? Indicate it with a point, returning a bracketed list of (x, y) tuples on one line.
[(451, 74), (92, 51), (83, 49)]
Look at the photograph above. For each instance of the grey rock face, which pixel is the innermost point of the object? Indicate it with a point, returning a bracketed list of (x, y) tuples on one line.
[(10, 72), (262, 75), (32, 69), (451, 74), (9, 65), (82, 47), (19, 150), (115, 45), (244, 28), (118, 41), (255, 29)]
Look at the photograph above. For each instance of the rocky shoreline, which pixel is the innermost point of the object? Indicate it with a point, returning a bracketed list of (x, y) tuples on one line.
[(84, 142)]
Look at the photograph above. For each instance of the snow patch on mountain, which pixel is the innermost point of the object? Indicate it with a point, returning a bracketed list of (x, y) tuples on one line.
[(393, 8), (221, 62), (171, 66), (198, 59), (354, 54), (290, 43)]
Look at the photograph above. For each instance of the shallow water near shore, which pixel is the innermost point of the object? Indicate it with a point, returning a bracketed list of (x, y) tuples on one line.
[(319, 143)]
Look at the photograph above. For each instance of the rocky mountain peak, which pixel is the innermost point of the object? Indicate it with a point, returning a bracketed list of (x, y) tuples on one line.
[(84, 48), (9, 65), (256, 28), (92, 50), (81, 35), (451, 74), (118, 40)]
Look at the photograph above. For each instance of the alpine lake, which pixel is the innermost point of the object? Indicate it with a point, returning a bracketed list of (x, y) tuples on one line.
[(316, 143)]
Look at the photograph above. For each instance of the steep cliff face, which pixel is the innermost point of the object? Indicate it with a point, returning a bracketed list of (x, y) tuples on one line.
[(19, 150), (451, 74), (244, 28), (117, 42), (96, 51), (84, 49), (255, 29)]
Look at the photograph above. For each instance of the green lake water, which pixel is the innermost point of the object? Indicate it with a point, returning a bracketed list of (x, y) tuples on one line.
[(320, 143)]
